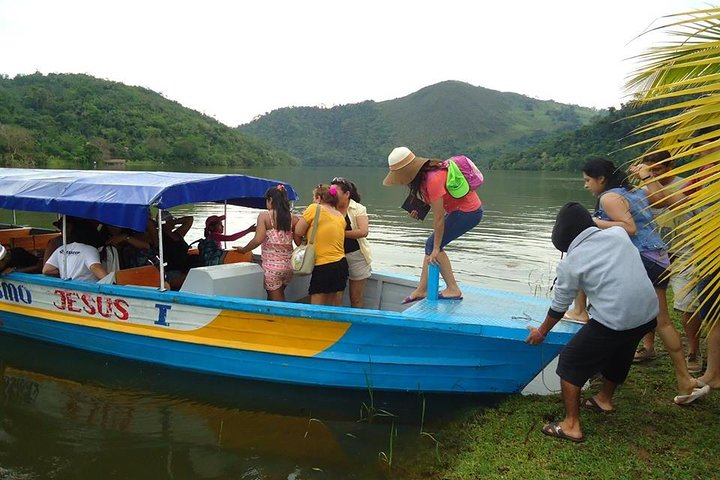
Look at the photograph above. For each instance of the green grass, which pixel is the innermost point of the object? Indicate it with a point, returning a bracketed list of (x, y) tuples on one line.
[(648, 436)]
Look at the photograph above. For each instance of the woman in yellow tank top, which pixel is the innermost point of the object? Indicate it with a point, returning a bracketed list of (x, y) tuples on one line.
[(329, 277)]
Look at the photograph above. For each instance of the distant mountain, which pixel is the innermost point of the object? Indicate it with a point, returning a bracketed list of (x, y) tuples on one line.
[(440, 120), (81, 119), (610, 135)]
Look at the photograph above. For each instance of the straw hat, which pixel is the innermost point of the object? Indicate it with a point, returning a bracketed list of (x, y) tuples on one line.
[(404, 166)]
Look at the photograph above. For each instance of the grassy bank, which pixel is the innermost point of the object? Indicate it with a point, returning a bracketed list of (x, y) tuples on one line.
[(646, 437)]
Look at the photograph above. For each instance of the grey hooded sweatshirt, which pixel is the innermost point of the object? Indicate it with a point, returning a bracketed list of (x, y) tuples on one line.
[(607, 266)]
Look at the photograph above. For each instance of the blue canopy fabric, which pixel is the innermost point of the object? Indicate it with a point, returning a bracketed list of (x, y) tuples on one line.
[(124, 198)]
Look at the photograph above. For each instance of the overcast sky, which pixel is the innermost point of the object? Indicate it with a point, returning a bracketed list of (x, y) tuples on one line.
[(234, 60)]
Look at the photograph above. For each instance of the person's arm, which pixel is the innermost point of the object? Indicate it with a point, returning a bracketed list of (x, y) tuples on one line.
[(303, 223), (37, 268), (658, 195), (49, 267), (184, 224), (618, 210), (567, 285), (132, 240), (537, 335), (301, 228), (438, 227), (362, 230), (98, 270), (260, 233), (50, 270), (51, 246), (235, 236)]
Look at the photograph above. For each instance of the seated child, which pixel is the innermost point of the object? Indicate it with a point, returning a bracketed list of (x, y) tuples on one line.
[(210, 248)]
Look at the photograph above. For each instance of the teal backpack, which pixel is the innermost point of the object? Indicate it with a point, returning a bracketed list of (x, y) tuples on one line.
[(210, 252)]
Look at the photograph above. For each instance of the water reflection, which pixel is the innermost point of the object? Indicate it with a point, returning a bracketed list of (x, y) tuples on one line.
[(69, 414)]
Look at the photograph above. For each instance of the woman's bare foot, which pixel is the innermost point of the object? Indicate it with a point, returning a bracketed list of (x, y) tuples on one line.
[(417, 294), (708, 380)]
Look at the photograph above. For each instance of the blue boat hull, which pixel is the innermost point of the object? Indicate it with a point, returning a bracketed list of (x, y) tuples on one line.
[(377, 350)]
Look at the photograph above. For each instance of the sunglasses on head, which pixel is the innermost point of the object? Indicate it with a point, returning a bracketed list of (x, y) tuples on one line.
[(340, 181)]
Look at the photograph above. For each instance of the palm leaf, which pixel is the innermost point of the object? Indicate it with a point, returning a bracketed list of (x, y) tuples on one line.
[(686, 70)]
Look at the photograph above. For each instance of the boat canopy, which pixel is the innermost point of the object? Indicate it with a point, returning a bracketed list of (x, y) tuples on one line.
[(124, 198)]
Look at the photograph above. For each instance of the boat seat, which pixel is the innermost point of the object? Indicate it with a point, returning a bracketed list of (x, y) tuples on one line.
[(233, 256), (243, 279), (8, 233), (33, 243), (147, 276)]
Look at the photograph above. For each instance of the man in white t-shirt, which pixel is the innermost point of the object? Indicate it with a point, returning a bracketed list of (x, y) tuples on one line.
[(83, 263)]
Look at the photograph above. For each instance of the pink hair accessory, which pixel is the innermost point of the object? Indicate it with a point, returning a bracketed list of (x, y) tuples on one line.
[(332, 190), (281, 187)]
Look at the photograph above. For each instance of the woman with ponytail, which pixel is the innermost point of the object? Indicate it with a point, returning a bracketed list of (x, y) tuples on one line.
[(329, 277), (274, 232)]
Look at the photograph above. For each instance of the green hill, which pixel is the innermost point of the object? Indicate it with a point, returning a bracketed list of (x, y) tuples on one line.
[(81, 119), (440, 120), (606, 135)]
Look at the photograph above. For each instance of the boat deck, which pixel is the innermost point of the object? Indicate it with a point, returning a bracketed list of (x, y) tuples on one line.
[(491, 308)]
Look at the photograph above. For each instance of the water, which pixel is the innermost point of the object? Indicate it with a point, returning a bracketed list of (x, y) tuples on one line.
[(73, 415)]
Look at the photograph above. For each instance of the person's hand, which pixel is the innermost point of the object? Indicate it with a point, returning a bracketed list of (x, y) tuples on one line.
[(641, 171), (251, 228), (433, 256), (414, 214), (535, 337), (239, 248)]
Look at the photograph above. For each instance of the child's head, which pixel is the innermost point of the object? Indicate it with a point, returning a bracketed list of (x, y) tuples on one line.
[(327, 194), (214, 224), (277, 199)]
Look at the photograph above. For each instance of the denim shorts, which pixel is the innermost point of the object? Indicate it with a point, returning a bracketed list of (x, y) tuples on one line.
[(657, 273), (456, 223)]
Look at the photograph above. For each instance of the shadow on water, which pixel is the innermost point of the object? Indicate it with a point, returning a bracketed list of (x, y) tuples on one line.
[(71, 414)]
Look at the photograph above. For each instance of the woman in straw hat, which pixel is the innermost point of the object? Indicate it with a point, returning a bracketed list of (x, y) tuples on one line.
[(452, 217)]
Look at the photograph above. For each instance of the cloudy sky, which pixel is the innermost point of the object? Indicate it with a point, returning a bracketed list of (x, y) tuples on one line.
[(234, 60)]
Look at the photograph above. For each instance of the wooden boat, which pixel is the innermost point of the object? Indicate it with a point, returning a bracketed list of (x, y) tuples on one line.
[(220, 322)]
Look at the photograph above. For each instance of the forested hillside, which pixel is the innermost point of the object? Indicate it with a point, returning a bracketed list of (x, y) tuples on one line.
[(82, 119), (440, 120), (606, 135)]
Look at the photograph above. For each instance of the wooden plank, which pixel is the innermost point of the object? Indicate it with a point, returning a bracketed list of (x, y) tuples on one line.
[(7, 233), (233, 256), (147, 276)]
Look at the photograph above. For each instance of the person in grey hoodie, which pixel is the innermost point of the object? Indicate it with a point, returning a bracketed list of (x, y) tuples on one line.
[(607, 266)]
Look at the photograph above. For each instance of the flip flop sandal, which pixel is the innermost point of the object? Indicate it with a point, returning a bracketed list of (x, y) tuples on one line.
[(696, 394), (643, 355), (553, 429), (591, 404), (449, 297)]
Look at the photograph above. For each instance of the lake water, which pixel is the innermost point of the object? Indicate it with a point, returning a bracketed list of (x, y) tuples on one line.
[(73, 415)]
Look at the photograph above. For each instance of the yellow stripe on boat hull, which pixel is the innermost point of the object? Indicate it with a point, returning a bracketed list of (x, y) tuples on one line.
[(232, 329)]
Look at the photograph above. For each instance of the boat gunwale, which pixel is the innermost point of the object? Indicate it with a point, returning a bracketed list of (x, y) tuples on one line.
[(342, 314)]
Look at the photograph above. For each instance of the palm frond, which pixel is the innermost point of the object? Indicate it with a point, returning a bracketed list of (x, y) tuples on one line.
[(686, 70)]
